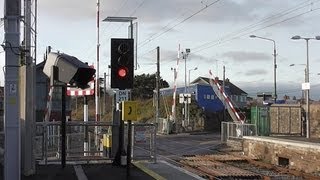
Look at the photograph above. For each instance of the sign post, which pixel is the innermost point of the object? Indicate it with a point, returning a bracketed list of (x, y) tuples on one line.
[(129, 113)]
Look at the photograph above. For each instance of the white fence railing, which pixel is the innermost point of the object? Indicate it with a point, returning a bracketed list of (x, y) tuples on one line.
[(231, 130)]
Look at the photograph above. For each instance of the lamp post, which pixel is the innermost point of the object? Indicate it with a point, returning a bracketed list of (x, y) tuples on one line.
[(184, 56), (189, 74), (305, 78), (188, 108), (307, 81), (274, 62)]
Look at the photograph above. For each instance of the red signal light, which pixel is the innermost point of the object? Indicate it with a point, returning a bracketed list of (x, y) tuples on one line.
[(122, 72)]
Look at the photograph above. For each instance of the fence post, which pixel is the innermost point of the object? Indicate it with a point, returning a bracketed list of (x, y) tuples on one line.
[(155, 142)]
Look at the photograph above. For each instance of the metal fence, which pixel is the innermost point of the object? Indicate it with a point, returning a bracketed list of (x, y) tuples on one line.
[(143, 141), (164, 126), (47, 141), (231, 130)]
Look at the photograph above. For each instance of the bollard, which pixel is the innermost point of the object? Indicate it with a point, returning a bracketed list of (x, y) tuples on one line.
[(107, 145)]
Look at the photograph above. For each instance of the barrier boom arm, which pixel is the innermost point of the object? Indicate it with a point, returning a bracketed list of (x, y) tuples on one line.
[(234, 112)]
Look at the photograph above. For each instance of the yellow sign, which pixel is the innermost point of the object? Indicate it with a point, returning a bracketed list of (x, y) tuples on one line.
[(129, 110)]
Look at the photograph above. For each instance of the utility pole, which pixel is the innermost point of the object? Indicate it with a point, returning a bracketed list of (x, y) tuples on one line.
[(223, 85), (158, 85), (104, 93), (12, 156), (27, 95), (97, 86)]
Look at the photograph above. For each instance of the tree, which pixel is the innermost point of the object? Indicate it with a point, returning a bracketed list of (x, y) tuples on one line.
[(145, 84)]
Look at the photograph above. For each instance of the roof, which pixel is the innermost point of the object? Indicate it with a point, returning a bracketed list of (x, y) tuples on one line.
[(233, 88)]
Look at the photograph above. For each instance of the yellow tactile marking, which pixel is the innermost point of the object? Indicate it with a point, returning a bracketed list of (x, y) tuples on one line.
[(148, 171)]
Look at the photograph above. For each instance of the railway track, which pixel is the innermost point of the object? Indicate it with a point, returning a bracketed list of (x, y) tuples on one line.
[(227, 166), (219, 163)]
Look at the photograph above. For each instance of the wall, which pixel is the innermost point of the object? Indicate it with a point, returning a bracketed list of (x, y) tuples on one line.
[(302, 156), (285, 119), (315, 120)]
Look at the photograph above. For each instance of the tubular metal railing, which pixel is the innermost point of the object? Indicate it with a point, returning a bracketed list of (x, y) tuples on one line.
[(231, 130), (47, 141)]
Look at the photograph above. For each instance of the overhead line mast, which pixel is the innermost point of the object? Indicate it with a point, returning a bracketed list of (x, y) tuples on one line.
[(97, 89)]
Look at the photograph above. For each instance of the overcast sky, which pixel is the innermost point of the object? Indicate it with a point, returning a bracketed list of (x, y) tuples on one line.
[(217, 33)]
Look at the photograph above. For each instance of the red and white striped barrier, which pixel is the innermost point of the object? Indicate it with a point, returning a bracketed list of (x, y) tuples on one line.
[(81, 92), (239, 117), (175, 87)]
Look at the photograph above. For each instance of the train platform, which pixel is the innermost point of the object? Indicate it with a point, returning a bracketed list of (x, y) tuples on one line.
[(140, 170)]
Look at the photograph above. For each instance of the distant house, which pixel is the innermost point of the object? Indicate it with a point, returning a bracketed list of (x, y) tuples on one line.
[(206, 98), (43, 85)]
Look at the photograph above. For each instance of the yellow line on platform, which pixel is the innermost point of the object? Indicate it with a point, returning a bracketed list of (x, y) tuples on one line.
[(148, 171)]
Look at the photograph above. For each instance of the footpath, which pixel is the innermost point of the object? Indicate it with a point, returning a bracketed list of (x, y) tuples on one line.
[(140, 170)]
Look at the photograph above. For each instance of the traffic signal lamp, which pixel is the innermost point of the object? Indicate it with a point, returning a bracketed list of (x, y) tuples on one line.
[(122, 63)]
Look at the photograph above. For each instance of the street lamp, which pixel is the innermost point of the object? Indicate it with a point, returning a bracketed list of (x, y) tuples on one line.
[(188, 108), (189, 74), (121, 19), (305, 77), (184, 56), (274, 62), (307, 81)]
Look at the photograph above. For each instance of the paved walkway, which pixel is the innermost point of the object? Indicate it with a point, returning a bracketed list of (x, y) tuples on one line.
[(140, 170)]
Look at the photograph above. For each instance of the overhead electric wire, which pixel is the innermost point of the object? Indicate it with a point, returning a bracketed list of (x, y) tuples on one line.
[(92, 48), (163, 28), (265, 20), (219, 42), (270, 18), (184, 20), (247, 33)]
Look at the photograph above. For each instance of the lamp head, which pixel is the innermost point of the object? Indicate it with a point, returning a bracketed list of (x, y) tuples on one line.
[(291, 65), (296, 37), (195, 68), (253, 36), (317, 37)]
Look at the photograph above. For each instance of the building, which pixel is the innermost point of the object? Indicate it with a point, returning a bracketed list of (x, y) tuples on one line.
[(203, 93)]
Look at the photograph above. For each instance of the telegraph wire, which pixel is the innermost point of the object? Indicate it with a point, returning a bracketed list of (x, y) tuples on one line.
[(265, 20), (245, 34), (217, 42), (184, 20), (163, 28), (91, 49), (238, 34)]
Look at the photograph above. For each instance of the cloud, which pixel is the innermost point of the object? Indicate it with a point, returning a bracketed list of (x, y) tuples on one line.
[(246, 56), (255, 72), (165, 11), (166, 56), (283, 89)]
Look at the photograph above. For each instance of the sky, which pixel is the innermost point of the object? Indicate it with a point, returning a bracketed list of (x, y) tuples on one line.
[(216, 32)]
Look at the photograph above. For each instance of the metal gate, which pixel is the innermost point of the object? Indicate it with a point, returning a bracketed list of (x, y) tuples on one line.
[(234, 131)]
